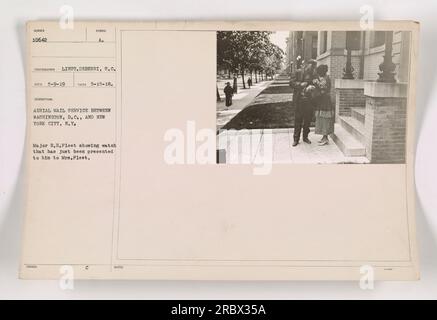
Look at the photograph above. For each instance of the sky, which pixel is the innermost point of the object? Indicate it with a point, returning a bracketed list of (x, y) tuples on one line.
[(278, 38)]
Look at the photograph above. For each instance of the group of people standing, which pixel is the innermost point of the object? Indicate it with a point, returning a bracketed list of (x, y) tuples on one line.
[(311, 97)]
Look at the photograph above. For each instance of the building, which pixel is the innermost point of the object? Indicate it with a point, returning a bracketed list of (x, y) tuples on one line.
[(369, 72), (366, 50), (300, 44)]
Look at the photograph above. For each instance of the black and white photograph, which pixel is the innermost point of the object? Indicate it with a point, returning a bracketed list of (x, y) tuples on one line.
[(316, 97)]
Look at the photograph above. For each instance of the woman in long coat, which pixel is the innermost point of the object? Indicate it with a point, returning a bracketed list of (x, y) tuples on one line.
[(229, 92), (325, 113)]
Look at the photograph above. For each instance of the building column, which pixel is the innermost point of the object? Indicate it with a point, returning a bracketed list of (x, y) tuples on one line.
[(404, 63), (348, 71), (387, 67), (386, 118)]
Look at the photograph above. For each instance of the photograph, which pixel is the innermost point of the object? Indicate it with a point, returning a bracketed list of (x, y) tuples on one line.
[(317, 97)]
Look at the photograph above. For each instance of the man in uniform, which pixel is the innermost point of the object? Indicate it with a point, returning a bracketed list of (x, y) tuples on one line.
[(303, 101)]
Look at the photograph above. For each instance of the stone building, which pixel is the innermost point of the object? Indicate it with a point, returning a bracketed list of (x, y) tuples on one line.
[(369, 72)]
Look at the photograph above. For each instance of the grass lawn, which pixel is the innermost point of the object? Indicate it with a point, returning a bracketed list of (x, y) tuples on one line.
[(263, 116), (271, 109)]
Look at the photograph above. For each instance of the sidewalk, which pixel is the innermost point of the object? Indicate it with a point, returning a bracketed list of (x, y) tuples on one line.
[(281, 147), (272, 108), (239, 101)]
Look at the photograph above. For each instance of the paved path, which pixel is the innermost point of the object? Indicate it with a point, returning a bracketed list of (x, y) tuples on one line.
[(243, 146), (239, 101), (271, 108)]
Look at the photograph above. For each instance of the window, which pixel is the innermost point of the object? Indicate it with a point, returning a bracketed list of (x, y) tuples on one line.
[(377, 38), (353, 40)]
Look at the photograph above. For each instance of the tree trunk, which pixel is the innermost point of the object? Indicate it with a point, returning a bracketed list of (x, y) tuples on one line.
[(242, 78), (256, 76), (229, 73), (235, 85), (218, 95)]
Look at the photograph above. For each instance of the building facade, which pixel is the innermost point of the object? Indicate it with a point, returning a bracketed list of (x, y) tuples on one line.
[(300, 44), (369, 71), (366, 53)]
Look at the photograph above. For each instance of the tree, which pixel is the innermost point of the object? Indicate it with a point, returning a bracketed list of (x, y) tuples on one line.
[(217, 94), (247, 51), (273, 60)]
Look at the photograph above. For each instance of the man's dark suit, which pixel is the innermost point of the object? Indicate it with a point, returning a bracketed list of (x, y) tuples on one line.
[(303, 105)]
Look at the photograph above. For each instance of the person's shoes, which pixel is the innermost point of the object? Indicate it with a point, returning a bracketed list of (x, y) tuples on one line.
[(295, 143), (323, 142), (306, 140)]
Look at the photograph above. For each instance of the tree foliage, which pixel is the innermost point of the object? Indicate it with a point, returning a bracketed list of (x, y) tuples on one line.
[(248, 51)]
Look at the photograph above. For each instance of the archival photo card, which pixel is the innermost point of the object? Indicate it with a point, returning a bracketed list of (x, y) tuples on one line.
[(206, 151)]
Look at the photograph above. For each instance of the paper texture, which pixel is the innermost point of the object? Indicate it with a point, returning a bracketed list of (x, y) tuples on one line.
[(122, 181)]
